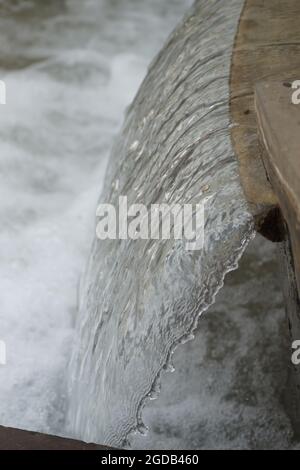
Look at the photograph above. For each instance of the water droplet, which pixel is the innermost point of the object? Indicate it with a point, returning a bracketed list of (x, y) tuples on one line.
[(134, 145)]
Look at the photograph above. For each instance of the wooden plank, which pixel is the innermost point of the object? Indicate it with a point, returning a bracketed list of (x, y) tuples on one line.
[(278, 121), (15, 439), (266, 49), (279, 128), (267, 44)]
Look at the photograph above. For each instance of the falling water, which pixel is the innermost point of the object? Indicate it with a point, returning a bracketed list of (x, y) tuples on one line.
[(140, 299), (71, 67)]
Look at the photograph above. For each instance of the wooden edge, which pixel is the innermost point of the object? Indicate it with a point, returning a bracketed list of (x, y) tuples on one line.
[(16, 439), (267, 44), (278, 121)]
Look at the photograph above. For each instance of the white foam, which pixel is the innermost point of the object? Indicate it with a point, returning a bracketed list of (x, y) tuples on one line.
[(83, 64)]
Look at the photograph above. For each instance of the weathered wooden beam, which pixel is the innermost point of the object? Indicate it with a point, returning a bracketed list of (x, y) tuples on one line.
[(278, 123), (15, 439), (279, 130), (267, 45)]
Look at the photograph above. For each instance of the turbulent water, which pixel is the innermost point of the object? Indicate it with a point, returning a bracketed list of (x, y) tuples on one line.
[(140, 299), (71, 67)]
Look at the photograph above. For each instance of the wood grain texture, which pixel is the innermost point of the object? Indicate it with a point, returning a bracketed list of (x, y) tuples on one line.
[(267, 45), (266, 139), (278, 122), (279, 129)]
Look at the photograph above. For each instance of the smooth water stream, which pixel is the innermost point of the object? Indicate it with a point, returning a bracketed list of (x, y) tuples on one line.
[(140, 299)]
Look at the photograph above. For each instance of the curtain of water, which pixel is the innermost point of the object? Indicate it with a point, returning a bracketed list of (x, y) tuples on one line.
[(70, 67), (140, 299)]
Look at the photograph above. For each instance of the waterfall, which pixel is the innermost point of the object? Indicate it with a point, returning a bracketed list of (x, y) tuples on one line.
[(140, 299)]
